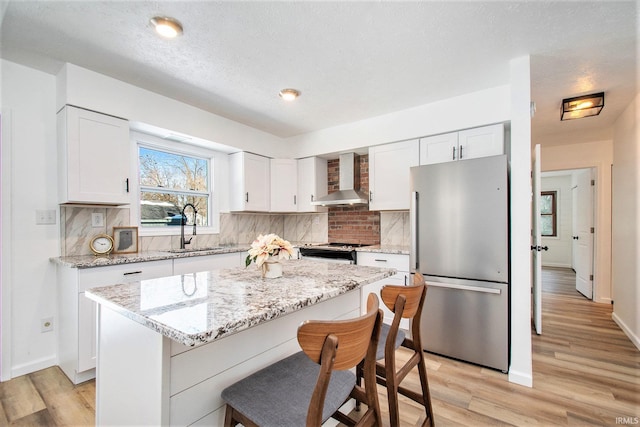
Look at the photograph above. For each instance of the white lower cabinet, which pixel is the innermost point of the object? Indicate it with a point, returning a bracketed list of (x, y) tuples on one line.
[(208, 262), (403, 278), (77, 314)]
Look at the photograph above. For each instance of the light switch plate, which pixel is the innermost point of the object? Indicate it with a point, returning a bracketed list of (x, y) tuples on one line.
[(97, 219)]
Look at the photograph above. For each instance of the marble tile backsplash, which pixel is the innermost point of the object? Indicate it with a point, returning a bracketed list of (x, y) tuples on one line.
[(395, 228), (235, 228), (76, 228)]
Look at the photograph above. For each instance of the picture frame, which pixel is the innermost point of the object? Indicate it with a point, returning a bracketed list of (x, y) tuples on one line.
[(125, 240)]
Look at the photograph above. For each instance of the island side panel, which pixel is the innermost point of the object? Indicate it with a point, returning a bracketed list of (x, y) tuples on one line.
[(132, 385), (199, 375)]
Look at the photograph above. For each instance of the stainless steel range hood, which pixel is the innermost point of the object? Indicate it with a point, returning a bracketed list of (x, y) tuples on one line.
[(349, 179)]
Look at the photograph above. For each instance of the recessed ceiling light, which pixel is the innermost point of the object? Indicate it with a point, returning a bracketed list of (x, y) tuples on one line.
[(289, 94), (167, 27)]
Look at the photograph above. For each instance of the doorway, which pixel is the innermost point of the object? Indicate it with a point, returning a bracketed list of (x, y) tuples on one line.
[(568, 224)]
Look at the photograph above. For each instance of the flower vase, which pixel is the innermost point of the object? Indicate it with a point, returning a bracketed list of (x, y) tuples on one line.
[(271, 268)]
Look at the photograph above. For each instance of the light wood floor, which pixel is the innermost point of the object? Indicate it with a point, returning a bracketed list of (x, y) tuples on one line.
[(585, 372)]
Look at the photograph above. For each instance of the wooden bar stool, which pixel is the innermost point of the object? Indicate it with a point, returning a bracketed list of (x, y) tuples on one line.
[(405, 302), (310, 386)]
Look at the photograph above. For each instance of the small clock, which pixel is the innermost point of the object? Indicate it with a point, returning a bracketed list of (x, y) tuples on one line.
[(101, 244)]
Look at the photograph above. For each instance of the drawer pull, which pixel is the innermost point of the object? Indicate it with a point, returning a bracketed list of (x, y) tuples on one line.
[(132, 272), (380, 260)]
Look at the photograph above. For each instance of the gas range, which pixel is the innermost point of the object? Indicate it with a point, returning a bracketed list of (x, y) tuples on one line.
[(332, 252)]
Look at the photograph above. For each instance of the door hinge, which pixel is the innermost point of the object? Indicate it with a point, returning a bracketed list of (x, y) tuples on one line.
[(593, 230), (591, 277), (593, 182)]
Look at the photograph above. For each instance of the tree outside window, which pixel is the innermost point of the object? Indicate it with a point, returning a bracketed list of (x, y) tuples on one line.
[(548, 213), (168, 181)]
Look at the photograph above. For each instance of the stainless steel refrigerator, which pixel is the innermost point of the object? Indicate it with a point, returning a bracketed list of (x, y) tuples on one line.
[(460, 242)]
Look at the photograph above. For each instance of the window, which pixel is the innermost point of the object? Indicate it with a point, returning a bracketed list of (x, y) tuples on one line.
[(168, 181), (548, 210)]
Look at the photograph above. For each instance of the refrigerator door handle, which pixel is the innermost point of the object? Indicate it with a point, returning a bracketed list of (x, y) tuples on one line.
[(465, 288), (413, 253)]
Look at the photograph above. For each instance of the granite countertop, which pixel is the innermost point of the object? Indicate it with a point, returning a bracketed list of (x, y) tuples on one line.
[(88, 261), (197, 308), (387, 249)]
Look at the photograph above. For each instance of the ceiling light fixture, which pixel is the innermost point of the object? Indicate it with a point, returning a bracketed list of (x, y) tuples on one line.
[(582, 106), (167, 27), (289, 94)]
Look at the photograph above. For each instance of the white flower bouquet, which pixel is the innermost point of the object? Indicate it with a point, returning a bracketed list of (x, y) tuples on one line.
[(268, 246)]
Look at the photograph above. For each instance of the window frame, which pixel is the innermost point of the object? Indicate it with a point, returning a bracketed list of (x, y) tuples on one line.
[(159, 144), (553, 214)]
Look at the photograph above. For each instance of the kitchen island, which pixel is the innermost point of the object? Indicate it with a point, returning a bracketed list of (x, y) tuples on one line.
[(167, 347)]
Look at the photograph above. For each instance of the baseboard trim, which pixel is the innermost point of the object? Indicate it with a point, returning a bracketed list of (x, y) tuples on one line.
[(520, 378), (33, 366), (557, 265), (627, 331)]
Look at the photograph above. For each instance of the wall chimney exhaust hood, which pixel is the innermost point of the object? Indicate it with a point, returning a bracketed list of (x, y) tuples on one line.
[(349, 180)]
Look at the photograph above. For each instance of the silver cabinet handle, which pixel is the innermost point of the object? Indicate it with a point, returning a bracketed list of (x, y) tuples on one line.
[(460, 153), (380, 260), (454, 154), (371, 196), (246, 197), (413, 254), (465, 288), (294, 200)]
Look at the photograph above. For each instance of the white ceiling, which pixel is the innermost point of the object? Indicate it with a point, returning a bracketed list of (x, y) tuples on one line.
[(350, 60)]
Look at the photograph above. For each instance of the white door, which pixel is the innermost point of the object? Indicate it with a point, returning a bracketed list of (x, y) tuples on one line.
[(584, 233), (536, 243)]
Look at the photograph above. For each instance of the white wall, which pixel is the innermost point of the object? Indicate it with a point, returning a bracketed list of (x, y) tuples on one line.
[(599, 155), (29, 184), (521, 368), (626, 220), (466, 111), (94, 91), (560, 247)]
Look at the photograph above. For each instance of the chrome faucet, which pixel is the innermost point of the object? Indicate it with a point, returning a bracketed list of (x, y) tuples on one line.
[(183, 220)]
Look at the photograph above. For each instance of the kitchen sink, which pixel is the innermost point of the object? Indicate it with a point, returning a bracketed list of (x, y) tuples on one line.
[(187, 250)]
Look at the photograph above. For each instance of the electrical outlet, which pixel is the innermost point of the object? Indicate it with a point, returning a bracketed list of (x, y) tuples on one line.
[(46, 324), (44, 217), (97, 219)]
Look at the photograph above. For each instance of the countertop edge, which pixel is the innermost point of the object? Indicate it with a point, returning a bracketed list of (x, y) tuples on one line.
[(91, 261), (385, 249), (195, 339)]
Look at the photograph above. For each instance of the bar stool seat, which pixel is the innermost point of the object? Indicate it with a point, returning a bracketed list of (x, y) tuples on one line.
[(289, 384), (384, 332), (308, 387)]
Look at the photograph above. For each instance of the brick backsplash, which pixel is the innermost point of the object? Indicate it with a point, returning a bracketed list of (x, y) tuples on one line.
[(355, 224)]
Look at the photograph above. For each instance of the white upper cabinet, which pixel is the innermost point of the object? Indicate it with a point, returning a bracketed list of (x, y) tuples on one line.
[(312, 183), (466, 144), (389, 166), (93, 157), (481, 142), (438, 148), (284, 185), (250, 182)]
